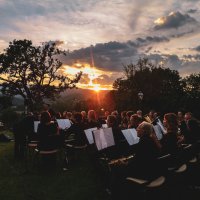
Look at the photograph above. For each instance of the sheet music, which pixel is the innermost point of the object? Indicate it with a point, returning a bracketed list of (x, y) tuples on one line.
[(63, 123), (161, 126), (158, 131), (131, 136), (109, 137), (88, 133), (104, 126), (36, 126), (103, 138), (97, 139)]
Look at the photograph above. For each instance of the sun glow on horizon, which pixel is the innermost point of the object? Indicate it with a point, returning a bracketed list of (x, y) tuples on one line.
[(92, 74)]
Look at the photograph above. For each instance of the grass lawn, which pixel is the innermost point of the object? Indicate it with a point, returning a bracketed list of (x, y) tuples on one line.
[(22, 181)]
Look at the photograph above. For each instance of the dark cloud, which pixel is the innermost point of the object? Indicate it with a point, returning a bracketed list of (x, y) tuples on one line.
[(104, 79), (150, 39), (174, 20), (195, 57), (192, 11), (178, 35), (112, 55), (148, 49), (197, 48)]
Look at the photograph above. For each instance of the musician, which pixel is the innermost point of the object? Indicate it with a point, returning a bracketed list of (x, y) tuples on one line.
[(170, 140), (77, 128), (144, 164), (146, 152), (92, 120), (124, 120), (117, 133), (135, 120), (47, 132), (193, 128)]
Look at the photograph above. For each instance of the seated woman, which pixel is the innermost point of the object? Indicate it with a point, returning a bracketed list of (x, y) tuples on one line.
[(143, 166), (146, 153), (92, 120), (120, 142), (170, 140), (135, 120), (48, 132), (77, 128), (117, 133)]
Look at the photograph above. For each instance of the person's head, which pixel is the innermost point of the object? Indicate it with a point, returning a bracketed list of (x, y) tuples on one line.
[(139, 113), (115, 113), (155, 115), (106, 113), (45, 117), (78, 117), (92, 115), (84, 114), (180, 114), (170, 121), (46, 106), (188, 116), (123, 114), (151, 113), (144, 128), (129, 114), (111, 121), (68, 115), (58, 115), (135, 120)]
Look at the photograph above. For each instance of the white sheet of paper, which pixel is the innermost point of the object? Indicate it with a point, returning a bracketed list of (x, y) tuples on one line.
[(158, 131), (161, 126), (108, 134), (103, 138), (97, 139), (63, 123), (88, 133), (104, 126), (131, 136), (36, 126)]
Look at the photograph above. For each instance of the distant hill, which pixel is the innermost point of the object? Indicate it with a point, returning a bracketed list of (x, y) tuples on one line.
[(83, 94), (69, 95)]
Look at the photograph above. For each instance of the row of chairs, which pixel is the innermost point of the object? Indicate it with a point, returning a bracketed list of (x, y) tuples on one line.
[(176, 174)]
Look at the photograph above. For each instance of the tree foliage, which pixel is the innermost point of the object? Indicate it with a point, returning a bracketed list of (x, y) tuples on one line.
[(191, 98), (161, 87), (33, 72)]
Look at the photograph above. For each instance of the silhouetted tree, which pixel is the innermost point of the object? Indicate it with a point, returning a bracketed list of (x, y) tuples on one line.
[(33, 72), (161, 87), (191, 99)]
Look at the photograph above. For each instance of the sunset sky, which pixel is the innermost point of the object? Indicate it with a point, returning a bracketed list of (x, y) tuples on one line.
[(103, 35)]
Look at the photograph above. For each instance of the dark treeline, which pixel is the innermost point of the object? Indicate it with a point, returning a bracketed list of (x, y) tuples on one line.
[(163, 90), (35, 73)]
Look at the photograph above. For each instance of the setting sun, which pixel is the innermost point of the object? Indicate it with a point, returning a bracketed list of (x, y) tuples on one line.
[(90, 78), (96, 88)]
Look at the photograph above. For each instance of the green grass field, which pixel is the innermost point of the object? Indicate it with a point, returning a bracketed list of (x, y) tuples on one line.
[(21, 180)]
